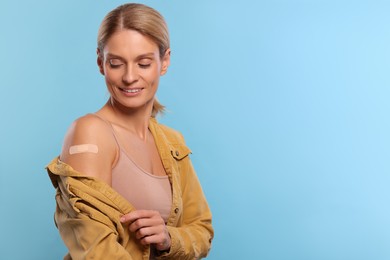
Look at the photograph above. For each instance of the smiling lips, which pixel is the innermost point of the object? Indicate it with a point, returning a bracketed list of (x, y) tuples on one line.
[(131, 90)]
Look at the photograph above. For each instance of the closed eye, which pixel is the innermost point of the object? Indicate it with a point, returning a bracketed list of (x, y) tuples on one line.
[(145, 62), (144, 65), (115, 63)]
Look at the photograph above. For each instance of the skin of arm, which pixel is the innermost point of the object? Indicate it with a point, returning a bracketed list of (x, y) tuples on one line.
[(91, 130)]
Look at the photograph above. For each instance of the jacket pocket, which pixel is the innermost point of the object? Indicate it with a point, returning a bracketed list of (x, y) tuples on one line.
[(179, 151)]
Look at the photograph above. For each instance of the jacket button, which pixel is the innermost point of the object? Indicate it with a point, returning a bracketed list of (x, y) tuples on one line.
[(177, 153), (176, 210)]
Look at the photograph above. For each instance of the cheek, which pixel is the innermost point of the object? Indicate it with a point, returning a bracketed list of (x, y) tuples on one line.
[(113, 76), (152, 76), (111, 80), (110, 87)]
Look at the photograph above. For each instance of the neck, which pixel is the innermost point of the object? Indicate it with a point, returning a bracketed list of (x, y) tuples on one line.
[(135, 120)]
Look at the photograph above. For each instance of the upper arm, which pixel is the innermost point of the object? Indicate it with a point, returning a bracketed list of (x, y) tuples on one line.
[(93, 131)]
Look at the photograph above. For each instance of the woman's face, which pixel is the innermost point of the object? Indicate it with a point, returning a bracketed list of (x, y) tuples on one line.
[(132, 68)]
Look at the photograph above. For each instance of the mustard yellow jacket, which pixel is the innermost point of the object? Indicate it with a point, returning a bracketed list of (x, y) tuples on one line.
[(88, 210)]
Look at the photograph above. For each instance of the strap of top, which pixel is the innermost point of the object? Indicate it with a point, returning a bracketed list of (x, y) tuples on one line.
[(111, 127)]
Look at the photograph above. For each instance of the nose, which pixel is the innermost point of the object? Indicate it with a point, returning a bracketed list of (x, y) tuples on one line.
[(130, 75)]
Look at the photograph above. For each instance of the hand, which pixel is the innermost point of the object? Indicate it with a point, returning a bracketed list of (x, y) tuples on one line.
[(149, 227)]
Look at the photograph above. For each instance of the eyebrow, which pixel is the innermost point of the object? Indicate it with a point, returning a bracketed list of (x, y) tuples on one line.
[(141, 56), (146, 55), (111, 55)]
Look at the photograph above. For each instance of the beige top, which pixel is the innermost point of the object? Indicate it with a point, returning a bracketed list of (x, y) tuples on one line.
[(142, 189)]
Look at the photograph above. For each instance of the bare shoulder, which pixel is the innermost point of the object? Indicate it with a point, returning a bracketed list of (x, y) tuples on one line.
[(90, 147), (88, 127)]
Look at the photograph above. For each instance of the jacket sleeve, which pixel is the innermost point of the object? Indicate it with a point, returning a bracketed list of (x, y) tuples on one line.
[(87, 232), (192, 239)]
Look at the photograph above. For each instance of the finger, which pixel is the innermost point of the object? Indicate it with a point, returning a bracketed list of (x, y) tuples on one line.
[(137, 214), (146, 231), (158, 239), (146, 222)]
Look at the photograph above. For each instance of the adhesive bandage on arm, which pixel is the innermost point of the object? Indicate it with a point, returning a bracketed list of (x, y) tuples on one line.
[(83, 148)]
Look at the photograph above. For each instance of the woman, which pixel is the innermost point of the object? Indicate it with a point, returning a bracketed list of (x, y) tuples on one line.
[(126, 188)]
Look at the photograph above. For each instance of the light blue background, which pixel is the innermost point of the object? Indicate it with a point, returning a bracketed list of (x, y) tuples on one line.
[(285, 105)]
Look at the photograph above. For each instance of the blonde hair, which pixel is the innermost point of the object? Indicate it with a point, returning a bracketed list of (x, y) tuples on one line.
[(140, 18)]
